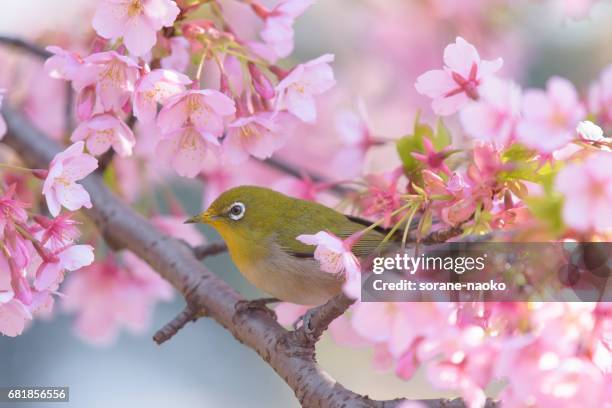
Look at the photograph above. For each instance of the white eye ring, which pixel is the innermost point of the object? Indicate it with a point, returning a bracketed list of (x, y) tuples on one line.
[(236, 211)]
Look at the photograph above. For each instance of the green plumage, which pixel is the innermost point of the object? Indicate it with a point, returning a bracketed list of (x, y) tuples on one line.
[(272, 215), (261, 226)]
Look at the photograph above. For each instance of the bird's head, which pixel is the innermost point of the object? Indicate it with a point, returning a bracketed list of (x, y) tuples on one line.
[(247, 211)]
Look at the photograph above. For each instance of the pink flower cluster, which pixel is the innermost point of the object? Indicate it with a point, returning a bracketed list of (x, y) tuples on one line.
[(191, 122), (500, 117), (550, 354), (121, 290), (35, 253)]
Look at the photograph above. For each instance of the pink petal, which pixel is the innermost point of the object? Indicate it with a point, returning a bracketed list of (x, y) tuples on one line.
[(162, 12), (488, 68), (79, 167), (445, 106), (110, 20), (372, 321), (73, 196), (562, 92), (536, 105), (288, 313), (139, 38), (53, 203), (435, 83), (76, 257), (460, 56), (294, 8), (13, 316), (576, 212), (219, 102), (302, 105), (48, 276)]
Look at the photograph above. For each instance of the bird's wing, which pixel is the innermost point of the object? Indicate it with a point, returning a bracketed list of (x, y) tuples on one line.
[(370, 244)]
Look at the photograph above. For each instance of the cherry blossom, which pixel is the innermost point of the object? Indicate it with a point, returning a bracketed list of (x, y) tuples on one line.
[(111, 75), (185, 150), (600, 97), (336, 257), (179, 58), (13, 315), (62, 64), (11, 209), (56, 232), (494, 116), (278, 29), (156, 87), (103, 131), (261, 83), (550, 117), (297, 90), (259, 135), (137, 21), (66, 168), (109, 295), (587, 188), (460, 79), (382, 197), (432, 158), (356, 136), (69, 258), (203, 109)]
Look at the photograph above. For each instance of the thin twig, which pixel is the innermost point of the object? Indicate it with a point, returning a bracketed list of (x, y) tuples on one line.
[(188, 314), (438, 237), (290, 170), (24, 45)]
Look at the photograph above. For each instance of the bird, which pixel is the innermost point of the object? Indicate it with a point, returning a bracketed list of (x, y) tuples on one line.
[(260, 226)]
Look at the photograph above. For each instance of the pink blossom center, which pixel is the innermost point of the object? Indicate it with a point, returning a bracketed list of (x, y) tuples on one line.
[(135, 8), (249, 133), (188, 141), (597, 189), (559, 119), (382, 201), (114, 72), (467, 85)]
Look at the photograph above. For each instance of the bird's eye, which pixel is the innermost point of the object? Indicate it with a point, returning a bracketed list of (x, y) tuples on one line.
[(236, 211)]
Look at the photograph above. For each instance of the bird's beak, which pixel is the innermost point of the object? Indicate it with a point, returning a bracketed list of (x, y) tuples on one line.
[(193, 220), (203, 218)]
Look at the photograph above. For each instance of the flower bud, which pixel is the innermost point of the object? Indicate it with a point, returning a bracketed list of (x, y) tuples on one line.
[(262, 84), (85, 102)]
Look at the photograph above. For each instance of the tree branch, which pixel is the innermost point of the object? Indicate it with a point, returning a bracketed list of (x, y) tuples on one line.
[(122, 227), (24, 45), (214, 248)]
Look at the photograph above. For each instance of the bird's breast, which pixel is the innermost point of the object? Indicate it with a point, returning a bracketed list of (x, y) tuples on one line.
[(288, 278)]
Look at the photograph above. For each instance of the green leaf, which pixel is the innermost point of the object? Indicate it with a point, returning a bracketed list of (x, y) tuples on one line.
[(413, 143), (426, 222), (405, 146), (517, 153), (442, 138), (548, 209)]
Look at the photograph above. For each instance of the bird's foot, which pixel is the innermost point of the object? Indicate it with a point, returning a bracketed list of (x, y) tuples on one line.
[(246, 306), (305, 320)]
